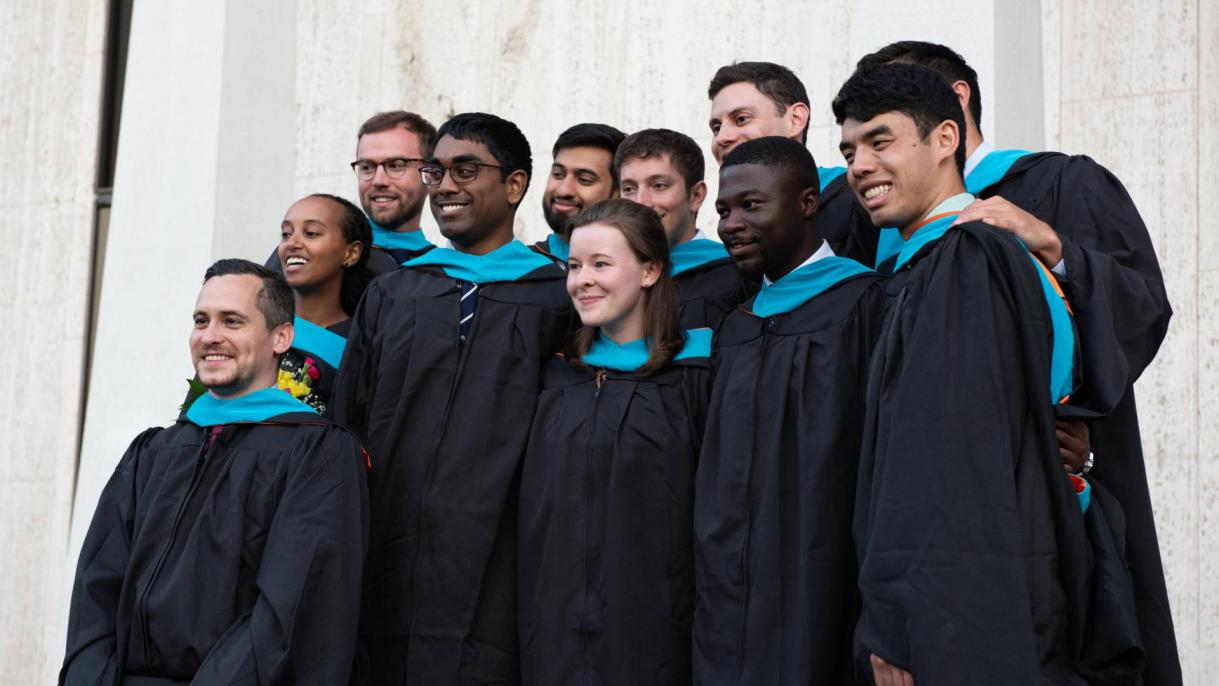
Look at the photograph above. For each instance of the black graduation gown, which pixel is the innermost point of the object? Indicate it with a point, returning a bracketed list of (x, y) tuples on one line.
[(844, 224), (708, 292), (380, 260), (1116, 290), (774, 491), (607, 571), (976, 565), (446, 425), (234, 561)]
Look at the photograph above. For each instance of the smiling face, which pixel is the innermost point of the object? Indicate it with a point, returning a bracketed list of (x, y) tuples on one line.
[(579, 178), (898, 175), (766, 219), (740, 112), (655, 183), (476, 216), (312, 250), (395, 204), (231, 347), (607, 281)]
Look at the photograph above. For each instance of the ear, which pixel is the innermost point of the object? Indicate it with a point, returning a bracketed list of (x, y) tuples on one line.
[(697, 195), (810, 199), (281, 337), (963, 95), (651, 274), (354, 250), (945, 137), (797, 116), (516, 183)]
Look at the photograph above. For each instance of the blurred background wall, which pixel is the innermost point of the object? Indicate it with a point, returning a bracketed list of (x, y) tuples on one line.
[(142, 140)]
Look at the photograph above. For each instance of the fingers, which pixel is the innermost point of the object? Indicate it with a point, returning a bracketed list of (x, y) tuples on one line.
[(1073, 444), (885, 674)]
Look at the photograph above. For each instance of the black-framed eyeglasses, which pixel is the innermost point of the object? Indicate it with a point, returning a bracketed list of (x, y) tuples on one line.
[(462, 172), (395, 167)]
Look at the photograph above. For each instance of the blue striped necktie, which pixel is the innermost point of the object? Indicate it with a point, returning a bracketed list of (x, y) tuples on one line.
[(469, 298)]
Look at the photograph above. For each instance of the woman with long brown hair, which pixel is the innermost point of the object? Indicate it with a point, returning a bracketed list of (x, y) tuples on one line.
[(606, 563)]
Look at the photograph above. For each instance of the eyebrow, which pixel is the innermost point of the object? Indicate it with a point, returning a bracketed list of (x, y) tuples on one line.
[(732, 114), (223, 313), (878, 130), (575, 170)]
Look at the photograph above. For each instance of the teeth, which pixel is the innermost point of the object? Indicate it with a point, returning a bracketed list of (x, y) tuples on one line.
[(877, 191), (215, 358), (448, 208), (294, 261)]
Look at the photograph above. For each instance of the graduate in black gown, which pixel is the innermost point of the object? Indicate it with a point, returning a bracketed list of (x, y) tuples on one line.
[(228, 547), (581, 176), (607, 488), (663, 169), (390, 146), (776, 477), (323, 255), (754, 99), (440, 378), (1078, 218), (980, 560)]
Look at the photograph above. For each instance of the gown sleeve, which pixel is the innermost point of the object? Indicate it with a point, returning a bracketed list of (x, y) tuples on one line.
[(303, 624), (91, 656), (1113, 283)]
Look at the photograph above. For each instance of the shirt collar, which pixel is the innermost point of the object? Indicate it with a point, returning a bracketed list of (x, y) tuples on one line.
[(823, 252), (984, 148)]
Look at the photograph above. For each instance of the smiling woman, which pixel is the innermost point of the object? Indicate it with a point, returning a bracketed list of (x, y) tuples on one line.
[(607, 485), (323, 252)]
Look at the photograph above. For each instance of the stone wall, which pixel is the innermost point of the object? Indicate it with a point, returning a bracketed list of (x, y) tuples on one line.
[(232, 109)]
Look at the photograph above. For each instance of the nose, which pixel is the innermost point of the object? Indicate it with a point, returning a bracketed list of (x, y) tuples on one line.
[(379, 176), (643, 196), (566, 187), (447, 185), (725, 139), (862, 163), (293, 239), (730, 225), (212, 334)]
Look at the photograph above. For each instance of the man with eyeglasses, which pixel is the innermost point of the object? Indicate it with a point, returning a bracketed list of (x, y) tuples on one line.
[(439, 380), (390, 146)]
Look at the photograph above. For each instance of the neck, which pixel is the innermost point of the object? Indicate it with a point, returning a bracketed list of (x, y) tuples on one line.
[(948, 187), (684, 236), (321, 305), (498, 238), (265, 379), (625, 330), (411, 224), (973, 137), (804, 251)]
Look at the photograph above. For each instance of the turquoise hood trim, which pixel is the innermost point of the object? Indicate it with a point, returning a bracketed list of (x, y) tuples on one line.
[(804, 284), (991, 169), (696, 253), (558, 247), (888, 244), (1062, 353), (253, 407), (506, 263), (315, 340), (606, 354), (826, 175), (398, 240)]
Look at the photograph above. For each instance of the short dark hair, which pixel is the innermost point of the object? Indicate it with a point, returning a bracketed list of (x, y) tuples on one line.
[(355, 227), (777, 152), (775, 81), (503, 139), (590, 135), (683, 152), (939, 58), (645, 234), (918, 92), (275, 299), (384, 121)]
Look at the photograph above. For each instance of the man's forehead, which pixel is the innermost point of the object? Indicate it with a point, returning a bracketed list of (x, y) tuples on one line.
[(584, 156), (652, 165), (396, 142), (749, 177), (229, 293), (449, 148), (742, 94)]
